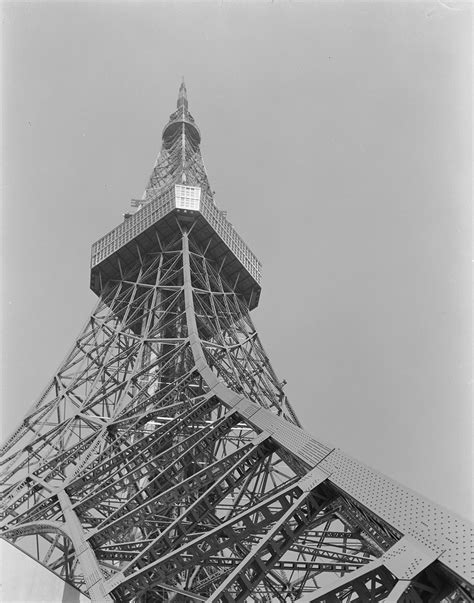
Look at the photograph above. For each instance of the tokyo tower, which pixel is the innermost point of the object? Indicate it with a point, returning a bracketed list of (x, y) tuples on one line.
[(163, 461)]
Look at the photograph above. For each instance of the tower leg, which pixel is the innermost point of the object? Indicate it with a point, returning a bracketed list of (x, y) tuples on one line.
[(87, 560)]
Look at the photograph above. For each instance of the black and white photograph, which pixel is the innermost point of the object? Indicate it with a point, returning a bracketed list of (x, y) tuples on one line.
[(236, 360)]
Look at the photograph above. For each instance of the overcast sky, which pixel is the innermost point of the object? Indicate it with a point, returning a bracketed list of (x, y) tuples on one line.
[(337, 137)]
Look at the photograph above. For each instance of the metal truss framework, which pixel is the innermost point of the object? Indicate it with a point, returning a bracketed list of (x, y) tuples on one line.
[(164, 462)]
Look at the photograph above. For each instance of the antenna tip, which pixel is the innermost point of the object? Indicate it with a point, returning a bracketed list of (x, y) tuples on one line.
[(182, 96)]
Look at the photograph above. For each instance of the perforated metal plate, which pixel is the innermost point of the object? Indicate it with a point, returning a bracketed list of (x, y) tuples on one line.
[(315, 477), (290, 436), (437, 529), (407, 558)]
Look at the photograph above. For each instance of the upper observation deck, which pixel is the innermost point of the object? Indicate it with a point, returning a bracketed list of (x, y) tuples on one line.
[(157, 221)]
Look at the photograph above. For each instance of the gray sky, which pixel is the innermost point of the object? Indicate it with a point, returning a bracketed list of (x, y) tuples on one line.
[(337, 136)]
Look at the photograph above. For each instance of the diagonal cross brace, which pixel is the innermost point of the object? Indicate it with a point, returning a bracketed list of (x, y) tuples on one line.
[(267, 544)]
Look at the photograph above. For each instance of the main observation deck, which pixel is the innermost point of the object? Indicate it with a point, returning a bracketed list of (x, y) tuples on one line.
[(156, 221)]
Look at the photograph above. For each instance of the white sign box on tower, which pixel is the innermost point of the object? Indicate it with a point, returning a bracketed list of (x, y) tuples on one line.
[(187, 197)]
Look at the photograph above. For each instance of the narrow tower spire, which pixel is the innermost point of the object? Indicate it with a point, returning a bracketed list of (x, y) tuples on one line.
[(180, 160), (182, 97)]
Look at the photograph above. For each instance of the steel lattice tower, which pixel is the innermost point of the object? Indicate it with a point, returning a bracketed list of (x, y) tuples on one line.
[(163, 462)]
